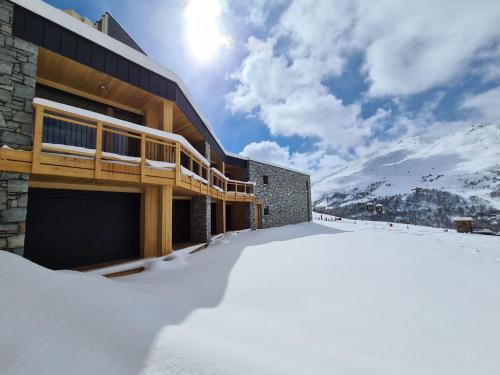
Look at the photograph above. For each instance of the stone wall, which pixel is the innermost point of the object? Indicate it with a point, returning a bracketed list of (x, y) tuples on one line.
[(201, 226), (287, 195), (18, 60)]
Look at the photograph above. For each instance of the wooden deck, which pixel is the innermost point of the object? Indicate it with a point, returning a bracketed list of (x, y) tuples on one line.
[(145, 157)]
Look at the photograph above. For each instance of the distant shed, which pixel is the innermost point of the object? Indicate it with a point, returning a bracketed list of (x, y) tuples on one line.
[(463, 224)]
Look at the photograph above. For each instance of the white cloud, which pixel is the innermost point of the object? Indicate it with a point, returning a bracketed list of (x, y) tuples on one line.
[(269, 151), (290, 98), (415, 45), (408, 47), (487, 104), (257, 11), (319, 163)]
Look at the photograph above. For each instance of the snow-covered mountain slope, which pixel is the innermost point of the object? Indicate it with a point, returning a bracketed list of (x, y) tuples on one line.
[(464, 166)]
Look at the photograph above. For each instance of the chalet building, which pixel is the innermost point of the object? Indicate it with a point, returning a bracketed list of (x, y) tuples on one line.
[(104, 155)]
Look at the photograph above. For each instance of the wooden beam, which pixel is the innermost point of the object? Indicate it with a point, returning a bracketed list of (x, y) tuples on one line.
[(182, 197), (165, 222), (168, 116), (221, 216), (183, 126), (82, 186)]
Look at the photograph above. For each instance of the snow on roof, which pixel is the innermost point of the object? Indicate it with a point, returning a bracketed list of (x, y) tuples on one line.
[(465, 218), (65, 20), (121, 123)]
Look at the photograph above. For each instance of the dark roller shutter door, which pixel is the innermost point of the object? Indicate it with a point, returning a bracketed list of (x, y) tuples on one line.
[(181, 220), (72, 228)]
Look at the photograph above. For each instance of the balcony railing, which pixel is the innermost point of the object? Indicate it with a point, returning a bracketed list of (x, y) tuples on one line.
[(102, 147)]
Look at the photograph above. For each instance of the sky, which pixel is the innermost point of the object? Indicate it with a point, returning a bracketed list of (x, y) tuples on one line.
[(314, 84)]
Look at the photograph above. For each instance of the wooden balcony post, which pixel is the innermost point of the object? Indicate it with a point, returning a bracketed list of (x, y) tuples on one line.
[(98, 150), (177, 163), (143, 156), (37, 138)]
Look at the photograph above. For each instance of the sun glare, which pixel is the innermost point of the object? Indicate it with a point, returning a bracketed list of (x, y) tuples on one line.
[(203, 29)]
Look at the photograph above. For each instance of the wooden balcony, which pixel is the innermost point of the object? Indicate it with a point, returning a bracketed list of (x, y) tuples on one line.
[(77, 143)]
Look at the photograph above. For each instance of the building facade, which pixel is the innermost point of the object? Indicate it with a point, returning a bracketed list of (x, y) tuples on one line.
[(104, 156)]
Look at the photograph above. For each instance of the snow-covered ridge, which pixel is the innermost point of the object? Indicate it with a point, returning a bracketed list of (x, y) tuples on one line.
[(466, 163)]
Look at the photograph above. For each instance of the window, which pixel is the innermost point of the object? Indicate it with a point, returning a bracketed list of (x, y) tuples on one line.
[(266, 211), (265, 180)]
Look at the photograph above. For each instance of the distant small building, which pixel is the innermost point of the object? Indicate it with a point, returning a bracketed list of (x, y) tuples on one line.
[(463, 224), (379, 208), (369, 207)]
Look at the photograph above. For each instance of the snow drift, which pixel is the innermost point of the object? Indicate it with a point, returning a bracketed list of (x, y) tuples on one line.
[(344, 297)]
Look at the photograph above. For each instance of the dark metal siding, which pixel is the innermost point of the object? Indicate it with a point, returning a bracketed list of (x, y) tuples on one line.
[(119, 33), (73, 228), (237, 162), (47, 34)]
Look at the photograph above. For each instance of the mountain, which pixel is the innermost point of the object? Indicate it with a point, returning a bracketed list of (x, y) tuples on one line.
[(456, 175)]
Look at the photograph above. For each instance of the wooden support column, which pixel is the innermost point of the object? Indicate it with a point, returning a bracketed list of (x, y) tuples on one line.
[(165, 221), (160, 115), (149, 222), (221, 216)]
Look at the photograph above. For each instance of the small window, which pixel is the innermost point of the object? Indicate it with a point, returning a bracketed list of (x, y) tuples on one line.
[(307, 185), (266, 211), (265, 180)]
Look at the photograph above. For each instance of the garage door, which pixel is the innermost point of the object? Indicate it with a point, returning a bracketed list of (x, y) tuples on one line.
[(72, 228), (181, 221)]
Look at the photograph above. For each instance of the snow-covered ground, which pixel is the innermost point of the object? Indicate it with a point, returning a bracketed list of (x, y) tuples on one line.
[(313, 298)]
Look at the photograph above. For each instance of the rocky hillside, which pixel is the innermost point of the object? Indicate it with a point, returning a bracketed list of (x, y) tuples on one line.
[(422, 180)]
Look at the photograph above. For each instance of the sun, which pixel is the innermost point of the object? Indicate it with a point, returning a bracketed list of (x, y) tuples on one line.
[(203, 28)]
